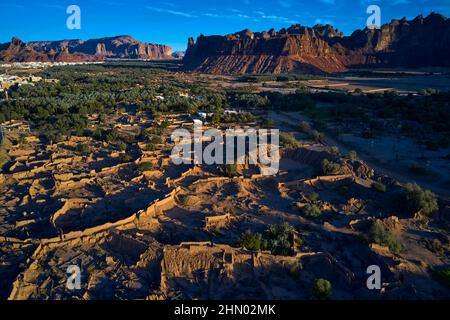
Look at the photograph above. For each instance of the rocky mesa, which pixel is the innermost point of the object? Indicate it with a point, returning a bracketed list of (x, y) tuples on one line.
[(120, 47), (421, 42)]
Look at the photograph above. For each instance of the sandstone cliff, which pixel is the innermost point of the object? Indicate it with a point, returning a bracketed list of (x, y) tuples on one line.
[(121, 47), (422, 42), (19, 51)]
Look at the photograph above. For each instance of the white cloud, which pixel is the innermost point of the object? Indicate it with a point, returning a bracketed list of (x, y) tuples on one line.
[(279, 19), (177, 13), (226, 16), (323, 21)]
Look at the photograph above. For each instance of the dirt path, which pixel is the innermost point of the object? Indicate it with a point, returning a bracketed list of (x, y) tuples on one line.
[(295, 118)]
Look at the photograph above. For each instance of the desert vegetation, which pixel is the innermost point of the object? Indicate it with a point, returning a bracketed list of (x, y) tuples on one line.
[(90, 176)]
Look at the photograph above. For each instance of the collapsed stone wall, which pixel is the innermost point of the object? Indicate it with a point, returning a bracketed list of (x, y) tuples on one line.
[(217, 222), (320, 182)]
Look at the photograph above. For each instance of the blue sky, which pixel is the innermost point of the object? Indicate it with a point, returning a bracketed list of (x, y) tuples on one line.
[(173, 21)]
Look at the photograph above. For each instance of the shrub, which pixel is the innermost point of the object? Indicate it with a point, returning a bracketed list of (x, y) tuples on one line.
[(279, 236), (97, 134), (252, 241), (317, 136), (443, 276), (311, 211), (382, 236), (124, 158), (83, 149), (421, 200), (288, 140), (165, 124), (352, 155), (268, 123), (334, 151), (150, 147), (322, 289), (330, 167), (313, 196), (121, 145), (184, 199), (155, 130), (145, 166), (379, 187), (111, 137), (230, 170), (155, 139)]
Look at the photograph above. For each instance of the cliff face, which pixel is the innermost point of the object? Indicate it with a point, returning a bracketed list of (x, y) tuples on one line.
[(19, 51), (122, 47), (421, 42), (265, 52)]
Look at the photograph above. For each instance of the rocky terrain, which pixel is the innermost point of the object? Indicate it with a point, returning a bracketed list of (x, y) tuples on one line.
[(120, 47), (172, 232), (421, 42), (19, 51), (87, 180)]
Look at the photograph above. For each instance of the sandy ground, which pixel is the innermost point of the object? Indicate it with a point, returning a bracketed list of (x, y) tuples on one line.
[(173, 232), (381, 154)]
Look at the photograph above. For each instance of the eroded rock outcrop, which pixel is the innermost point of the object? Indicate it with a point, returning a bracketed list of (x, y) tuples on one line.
[(19, 51), (422, 42), (120, 47)]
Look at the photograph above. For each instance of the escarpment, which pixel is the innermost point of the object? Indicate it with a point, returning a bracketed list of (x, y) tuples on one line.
[(421, 42)]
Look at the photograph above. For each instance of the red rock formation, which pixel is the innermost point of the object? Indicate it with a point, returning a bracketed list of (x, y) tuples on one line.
[(19, 51), (122, 47), (422, 42), (298, 49)]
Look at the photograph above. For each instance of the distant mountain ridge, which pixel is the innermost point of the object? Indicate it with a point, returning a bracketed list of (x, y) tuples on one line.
[(120, 47), (421, 42)]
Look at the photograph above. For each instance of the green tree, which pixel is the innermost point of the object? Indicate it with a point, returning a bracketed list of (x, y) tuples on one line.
[(279, 236), (145, 166), (378, 187), (230, 170), (330, 167), (311, 211), (252, 241), (352, 155), (322, 289), (288, 140), (382, 236), (83, 149), (421, 200)]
